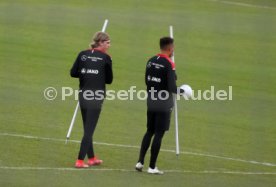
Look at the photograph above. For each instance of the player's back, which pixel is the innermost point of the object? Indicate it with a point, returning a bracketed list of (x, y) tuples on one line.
[(156, 79), (92, 68)]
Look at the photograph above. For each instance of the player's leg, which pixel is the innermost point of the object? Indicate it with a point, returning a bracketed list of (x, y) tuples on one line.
[(146, 140), (80, 162), (145, 145), (162, 125), (88, 127), (93, 119), (155, 147)]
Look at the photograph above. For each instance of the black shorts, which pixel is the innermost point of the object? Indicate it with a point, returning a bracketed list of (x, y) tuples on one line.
[(158, 120)]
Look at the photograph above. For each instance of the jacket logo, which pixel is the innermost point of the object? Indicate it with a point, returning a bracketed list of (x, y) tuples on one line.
[(89, 71), (94, 59), (154, 79), (83, 71), (149, 65), (83, 57)]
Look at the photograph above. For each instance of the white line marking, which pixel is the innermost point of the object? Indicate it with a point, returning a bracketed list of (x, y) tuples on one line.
[(221, 172), (128, 170), (243, 4), (64, 169), (137, 147)]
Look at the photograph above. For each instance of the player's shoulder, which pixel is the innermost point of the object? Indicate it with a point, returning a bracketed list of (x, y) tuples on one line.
[(153, 59), (82, 55), (82, 52), (166, 60), (100, 52), (96, 52)]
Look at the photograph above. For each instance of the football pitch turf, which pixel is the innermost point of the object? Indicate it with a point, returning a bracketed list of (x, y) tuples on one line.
[(217, 43)]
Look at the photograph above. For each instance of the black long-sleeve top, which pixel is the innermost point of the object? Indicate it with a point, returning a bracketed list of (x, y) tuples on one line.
[(160, 76), (94, 69)]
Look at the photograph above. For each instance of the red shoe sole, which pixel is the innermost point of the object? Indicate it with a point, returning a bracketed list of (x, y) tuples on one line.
[(95, 164)]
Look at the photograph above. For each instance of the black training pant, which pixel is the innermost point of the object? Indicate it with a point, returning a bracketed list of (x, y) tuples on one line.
[(157, 124), (90, 114)]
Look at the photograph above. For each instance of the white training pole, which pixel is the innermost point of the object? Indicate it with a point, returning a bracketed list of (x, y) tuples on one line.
[(171, 35), (175, 107), (78, 104), (72, 122), (105, 25)]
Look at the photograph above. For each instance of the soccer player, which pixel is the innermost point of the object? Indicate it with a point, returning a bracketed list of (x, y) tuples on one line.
[(93, 67), (160, 79)]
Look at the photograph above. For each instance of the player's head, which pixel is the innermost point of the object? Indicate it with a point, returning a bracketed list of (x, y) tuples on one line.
[(101, 40), (166, 45)]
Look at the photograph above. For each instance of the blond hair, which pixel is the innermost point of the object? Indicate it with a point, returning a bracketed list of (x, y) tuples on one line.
[(99, 37)]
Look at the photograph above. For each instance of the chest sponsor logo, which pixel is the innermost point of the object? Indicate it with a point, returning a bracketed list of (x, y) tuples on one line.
[(149, 65), (157, 66), (83, 57), (94, 59)]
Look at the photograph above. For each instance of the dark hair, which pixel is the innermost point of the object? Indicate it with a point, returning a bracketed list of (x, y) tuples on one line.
[(165, 42)]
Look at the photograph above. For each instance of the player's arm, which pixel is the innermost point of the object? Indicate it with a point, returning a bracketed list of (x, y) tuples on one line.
[(108, 71), (171, 77), (75, 68), (146, 74)]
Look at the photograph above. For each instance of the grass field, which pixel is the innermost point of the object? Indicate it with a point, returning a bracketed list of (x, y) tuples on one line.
[(220, 43)]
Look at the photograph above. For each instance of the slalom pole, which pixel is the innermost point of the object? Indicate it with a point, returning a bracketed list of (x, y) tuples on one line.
[(175, 108)]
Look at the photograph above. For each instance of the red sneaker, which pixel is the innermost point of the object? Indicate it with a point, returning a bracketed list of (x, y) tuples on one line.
[(80, 164), (94, 161)]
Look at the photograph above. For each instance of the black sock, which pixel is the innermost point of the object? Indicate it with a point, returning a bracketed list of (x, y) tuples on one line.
[(145, 145), (155, 148)]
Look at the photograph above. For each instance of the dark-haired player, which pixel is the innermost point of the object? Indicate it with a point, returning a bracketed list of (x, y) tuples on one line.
[(160, 79)]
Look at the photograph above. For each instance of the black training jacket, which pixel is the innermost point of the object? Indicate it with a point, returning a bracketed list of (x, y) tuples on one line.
[(94, 70), (160, 76)]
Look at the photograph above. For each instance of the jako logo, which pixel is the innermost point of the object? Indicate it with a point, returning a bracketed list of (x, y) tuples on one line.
[(92, 71), (154, 79), (83, 71), (89, 71)]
